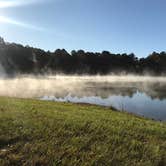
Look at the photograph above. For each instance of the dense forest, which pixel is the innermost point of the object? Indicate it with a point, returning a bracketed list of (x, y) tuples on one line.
[(18, 59)]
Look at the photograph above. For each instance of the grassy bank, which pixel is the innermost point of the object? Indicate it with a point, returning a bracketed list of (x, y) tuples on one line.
[(46, 133)]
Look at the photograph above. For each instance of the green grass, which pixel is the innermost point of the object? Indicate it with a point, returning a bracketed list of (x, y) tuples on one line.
[(36, 133)]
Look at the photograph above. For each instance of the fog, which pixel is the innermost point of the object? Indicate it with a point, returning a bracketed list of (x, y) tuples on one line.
[(26, 86), (143, 95)]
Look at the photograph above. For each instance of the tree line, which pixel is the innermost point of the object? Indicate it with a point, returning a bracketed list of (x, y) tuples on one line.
[(18, 59)]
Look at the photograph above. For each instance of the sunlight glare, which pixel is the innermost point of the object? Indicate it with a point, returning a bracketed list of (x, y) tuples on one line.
[(14, 3), (20, 24)]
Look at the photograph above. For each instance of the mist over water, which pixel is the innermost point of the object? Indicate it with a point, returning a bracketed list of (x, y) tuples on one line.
[(143, 95)]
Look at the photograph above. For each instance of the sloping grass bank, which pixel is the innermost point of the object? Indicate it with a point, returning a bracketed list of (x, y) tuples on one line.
[(36, 133)]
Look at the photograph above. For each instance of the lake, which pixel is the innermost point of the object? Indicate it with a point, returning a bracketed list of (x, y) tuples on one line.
[(141, 95)]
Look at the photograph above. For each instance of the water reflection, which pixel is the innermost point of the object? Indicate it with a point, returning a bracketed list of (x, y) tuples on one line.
[(143, 98), (142, 95)]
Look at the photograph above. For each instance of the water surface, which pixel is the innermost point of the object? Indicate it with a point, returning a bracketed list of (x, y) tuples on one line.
[(142, 95)]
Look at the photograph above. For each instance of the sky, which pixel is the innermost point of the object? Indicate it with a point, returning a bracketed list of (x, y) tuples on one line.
[(130, 26)]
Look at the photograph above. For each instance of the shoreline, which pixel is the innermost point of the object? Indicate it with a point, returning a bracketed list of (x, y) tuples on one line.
[(46, 133)]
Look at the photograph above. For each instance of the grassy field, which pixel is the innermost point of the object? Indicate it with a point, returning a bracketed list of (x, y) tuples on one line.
[(36, 133)]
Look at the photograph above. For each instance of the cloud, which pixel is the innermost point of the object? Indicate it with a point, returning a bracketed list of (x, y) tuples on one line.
[(20, 24), (15, 3)]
